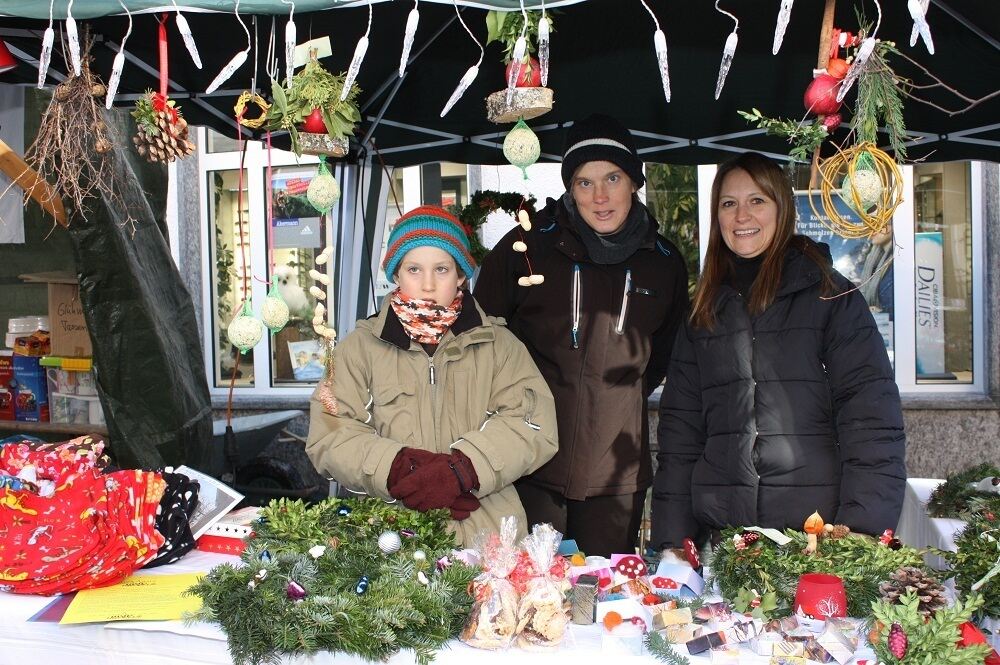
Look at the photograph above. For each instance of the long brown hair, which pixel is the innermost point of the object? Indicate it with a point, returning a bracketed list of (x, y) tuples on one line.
[(767, 175)]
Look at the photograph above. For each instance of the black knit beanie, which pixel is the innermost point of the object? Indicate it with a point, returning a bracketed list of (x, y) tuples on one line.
[(600, 138)]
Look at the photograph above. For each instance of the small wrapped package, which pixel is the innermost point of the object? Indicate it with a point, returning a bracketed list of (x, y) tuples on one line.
[(584, 604), (493, 618), (543, 614)]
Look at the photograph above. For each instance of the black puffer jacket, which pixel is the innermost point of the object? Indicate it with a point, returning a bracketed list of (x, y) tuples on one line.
[(766, 419)]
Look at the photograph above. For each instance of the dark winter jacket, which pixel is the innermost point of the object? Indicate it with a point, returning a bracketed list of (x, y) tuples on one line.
[(601, 373), (766, 419)]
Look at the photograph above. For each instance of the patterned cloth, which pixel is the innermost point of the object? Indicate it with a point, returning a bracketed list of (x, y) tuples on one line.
[(425, 321), (94, 530)]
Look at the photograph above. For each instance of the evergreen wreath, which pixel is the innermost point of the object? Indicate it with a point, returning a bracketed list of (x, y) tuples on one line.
[(951, 498), (314, 579), (861, 561), (902, 629), (979, 554), (479, 208)]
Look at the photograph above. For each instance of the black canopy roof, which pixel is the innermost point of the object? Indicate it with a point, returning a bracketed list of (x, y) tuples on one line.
[(602, 61)]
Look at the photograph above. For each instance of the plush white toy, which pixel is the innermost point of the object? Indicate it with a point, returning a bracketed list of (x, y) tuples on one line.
[(293, 294)]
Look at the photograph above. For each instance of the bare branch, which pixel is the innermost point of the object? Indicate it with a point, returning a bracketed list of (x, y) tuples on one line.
[(938, 83)]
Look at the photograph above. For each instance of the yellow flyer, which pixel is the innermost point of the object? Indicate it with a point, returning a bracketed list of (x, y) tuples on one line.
[(139, 598)]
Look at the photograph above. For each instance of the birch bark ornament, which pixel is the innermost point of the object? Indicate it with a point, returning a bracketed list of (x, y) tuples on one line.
[(521, 147), (245, 330), (274, 312), (660, 47)]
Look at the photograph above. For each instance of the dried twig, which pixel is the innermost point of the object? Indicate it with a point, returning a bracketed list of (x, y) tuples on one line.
[(938, 83)]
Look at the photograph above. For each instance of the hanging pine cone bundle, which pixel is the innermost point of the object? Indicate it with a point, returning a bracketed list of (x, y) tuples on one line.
[(928, 589), (162, 133)]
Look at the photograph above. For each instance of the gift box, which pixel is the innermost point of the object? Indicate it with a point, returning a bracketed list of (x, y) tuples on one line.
[(772, 644), (677, 580), (683, 633), (6, 379), (31, 394), (583, 601), (679, 616), (225, 538)]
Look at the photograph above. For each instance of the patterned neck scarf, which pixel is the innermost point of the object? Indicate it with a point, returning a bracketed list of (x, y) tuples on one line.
[(425, 321)]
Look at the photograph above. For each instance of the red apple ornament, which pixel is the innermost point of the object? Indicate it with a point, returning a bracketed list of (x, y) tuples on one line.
[(821, 95), (313, 123), (530, 76)]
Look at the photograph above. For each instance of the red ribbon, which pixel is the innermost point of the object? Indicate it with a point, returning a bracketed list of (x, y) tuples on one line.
[(163, 54)]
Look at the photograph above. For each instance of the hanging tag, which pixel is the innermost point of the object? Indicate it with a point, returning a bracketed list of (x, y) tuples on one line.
[(321, 46)]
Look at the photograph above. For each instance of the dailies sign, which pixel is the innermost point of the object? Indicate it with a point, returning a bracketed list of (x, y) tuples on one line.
[(929, 263)]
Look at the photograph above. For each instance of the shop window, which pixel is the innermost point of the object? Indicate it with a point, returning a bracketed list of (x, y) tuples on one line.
[(672, 197), (217, 142), (943, 273)]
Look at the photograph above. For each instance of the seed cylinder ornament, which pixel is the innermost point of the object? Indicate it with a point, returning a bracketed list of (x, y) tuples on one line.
[(245, 330), (521, 147)]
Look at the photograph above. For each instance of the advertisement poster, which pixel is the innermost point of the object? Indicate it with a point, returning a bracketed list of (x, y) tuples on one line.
[(865, 261), (929, 267), (296, 224)]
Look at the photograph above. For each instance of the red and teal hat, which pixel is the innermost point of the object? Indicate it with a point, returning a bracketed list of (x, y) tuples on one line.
[(428, 226)]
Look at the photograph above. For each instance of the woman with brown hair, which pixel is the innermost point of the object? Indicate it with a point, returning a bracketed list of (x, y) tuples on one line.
[(780, 398)]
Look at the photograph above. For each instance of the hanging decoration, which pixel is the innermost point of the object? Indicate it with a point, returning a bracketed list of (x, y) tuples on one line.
[(185, 30), (48, 39), (245, 330), (246, 97), (72, 150), (73, 37), (784, 15), (481, 205), (543, 46), (728, 51), (291, 38), (918, 11), (323, 190), (521, 147), (412, 20), (359, 55), (861, 56), (660, 47), (274, 312), (119, 63), (237, 60), (524, 96), (470, 74), (869, 181)]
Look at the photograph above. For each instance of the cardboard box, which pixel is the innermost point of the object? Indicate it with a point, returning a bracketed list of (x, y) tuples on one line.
[(6, 378), (31, 397), (70, 336)]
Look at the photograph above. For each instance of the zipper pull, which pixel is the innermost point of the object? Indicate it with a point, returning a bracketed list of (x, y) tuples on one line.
[(575, 332), (433, 377)]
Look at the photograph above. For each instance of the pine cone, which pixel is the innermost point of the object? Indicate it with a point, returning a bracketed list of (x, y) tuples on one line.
[(839, 531), (751, 537), (928, 589)]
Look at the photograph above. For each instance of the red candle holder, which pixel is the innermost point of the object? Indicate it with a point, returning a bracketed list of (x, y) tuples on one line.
[(821, 596)]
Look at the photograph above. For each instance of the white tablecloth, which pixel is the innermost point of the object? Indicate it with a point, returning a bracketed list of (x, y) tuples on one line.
[(172, 643), (917, 529)]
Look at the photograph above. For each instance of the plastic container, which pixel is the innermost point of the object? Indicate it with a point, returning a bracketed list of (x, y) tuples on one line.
[(70, 376), (25, 325), (75, 409)]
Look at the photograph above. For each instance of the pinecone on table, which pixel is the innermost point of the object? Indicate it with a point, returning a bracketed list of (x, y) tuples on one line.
[(839, 531), (928, 589), (164, 141)]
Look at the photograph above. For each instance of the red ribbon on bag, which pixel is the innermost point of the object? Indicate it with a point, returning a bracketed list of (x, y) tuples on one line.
[(970, 634)]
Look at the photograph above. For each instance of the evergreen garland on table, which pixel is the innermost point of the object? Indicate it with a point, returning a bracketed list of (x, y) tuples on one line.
[(480, 206), (861, 561), (314, 579), (951, 498), (978, 555), (660, 648), (901, 634)]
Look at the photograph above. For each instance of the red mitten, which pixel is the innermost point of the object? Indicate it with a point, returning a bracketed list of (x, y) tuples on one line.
[(433, 485), (462, 466), (464, 505), (406, 462)]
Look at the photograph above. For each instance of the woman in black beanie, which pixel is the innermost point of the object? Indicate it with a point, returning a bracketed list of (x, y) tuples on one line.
[(600, 328)]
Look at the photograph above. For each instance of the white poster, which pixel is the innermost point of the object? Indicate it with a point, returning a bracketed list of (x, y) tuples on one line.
[(929, 264), (12, 133)]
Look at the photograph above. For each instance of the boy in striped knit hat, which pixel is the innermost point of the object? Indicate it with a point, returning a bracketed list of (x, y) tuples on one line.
[(439, 405)]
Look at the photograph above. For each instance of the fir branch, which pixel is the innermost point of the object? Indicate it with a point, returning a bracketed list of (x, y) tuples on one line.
[(880, 102), (951, 498), (804, 137), (662, 649)]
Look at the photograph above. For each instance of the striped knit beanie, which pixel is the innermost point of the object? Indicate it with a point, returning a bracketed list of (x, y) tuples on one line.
[(600, 138), (433, 226)]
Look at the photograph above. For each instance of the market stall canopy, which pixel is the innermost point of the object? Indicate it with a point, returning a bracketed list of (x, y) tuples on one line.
[(602, 61)]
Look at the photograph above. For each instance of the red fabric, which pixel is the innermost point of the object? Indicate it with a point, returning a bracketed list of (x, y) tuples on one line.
[(970, 634), (406, 462), (93, 531), (463, 506), (434, 485)]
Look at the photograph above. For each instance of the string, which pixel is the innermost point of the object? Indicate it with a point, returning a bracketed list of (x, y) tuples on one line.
[(164, 60), (462, 21), (723, 11), (656, 21)]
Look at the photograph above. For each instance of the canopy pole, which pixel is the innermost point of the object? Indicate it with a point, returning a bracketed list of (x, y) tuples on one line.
[(822, 59)]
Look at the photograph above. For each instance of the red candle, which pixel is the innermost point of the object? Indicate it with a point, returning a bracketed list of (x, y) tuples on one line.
[(821, 596)]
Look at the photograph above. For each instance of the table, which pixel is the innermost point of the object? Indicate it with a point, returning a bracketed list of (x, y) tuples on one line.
[(917, 529), (172, 643)]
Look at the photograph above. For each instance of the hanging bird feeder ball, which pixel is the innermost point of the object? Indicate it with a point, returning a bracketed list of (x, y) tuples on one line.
[(521, 147), (323, 190), (245, 330)]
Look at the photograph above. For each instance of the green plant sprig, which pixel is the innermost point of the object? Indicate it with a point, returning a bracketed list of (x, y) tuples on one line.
[(951, 498), (314, 87), (929, 642), (804, 138), (660, 648), (505, 27)]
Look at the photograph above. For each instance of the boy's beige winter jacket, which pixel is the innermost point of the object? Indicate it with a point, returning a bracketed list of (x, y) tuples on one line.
[(480, 393)]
